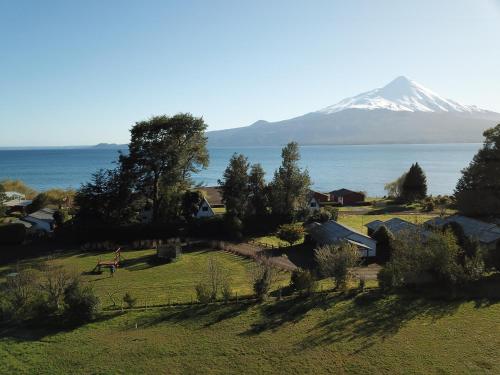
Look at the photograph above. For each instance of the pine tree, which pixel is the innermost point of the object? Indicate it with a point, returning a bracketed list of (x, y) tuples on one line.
[(235, 186), (290, 184), (478, 190), (258, 191), (415, 184)]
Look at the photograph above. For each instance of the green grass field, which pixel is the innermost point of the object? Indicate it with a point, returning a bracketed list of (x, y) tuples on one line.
[(148, 281), (321, 335)]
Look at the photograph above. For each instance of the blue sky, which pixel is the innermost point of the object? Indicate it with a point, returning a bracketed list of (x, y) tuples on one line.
[(82, 72)]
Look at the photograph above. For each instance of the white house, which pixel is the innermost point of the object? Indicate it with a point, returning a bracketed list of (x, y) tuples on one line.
[(331, 232), (212, 198), (14, 195), (41, 220), (315, 198)]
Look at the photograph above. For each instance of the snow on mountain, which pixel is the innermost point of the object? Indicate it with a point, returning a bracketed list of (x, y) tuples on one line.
[(401, 94)]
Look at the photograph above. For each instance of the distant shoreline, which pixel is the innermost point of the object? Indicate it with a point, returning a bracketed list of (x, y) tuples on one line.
[(123, 146)]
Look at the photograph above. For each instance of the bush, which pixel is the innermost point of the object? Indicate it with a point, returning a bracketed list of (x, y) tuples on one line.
[(203, 292), (384, 238), (263, 277), (12, 234), (216, 281), (81, 303), (332, 211), (302, 281), (129, 300), (290, 233), (227, 291), (434, 258), (335, 260)]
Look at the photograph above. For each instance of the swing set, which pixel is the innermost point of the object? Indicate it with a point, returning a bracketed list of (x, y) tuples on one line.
[(109, 263)]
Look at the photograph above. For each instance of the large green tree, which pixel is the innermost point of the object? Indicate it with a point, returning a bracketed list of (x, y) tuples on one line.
[(290, 185), (415, 184), (163, 153), (107, 199), (258, 191), (478, 191), (235, 186)]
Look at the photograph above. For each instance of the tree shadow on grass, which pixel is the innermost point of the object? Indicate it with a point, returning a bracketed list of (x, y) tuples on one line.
[(204, 315), (35, 331), (292, 310), (373, 316)]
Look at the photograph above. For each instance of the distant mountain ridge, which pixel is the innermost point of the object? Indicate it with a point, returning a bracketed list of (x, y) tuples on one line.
[(403, 111)]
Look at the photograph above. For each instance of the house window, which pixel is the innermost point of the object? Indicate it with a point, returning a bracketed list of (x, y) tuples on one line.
[(204, 208), (313, 204)]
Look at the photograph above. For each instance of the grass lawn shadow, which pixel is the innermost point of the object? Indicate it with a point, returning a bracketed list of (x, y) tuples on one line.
[(206, 315)]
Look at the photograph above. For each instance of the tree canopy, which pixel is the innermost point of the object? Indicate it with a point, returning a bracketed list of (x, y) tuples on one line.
[(290, 184), (415, 184), (163, 153), (235, 186), (478, 191)]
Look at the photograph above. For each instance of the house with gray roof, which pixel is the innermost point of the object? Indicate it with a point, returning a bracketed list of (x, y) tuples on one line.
[(487, 234), (394, 225), (332, 232), (212, 199), (41, 220)]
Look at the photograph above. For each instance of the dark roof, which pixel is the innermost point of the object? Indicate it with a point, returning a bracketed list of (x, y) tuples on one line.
[(313, 193), (332, 231), (213, 195), (394, 225), (45, 214), (18, 203), (342, 192), (484, 232)]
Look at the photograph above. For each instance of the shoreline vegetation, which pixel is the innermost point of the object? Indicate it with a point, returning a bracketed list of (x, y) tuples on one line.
[(131, 263)]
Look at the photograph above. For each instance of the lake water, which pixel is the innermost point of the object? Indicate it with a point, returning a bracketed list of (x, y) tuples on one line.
[(359, 167)]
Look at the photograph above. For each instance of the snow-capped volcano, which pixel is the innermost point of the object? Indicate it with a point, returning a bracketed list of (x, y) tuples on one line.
[(401, 112), (402, 94)]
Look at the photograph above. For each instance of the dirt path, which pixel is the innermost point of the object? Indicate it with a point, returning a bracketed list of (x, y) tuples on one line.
[(253, 251)]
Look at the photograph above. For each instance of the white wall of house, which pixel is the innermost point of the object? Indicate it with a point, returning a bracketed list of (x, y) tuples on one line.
[(205, 210), (313, 204)]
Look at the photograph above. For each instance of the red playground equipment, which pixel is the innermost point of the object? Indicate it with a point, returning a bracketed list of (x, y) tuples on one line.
[(109, 263)]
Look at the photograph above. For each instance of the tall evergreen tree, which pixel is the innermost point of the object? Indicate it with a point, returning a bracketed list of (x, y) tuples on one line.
[(258, 191), (290, 185), (478, 191), (235, 186), (415, 184)]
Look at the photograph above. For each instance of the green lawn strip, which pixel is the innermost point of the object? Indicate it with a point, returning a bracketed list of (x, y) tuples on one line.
[(328, 334), (153, 283)]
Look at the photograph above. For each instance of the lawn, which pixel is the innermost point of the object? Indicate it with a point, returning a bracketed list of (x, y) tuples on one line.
[(150, 282), (367, 334)]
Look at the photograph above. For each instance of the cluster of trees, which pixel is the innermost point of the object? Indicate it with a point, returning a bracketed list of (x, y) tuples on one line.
[(49, 296), (250, 201), (478, 191), (163, 153), (446, 257), (410, 186)]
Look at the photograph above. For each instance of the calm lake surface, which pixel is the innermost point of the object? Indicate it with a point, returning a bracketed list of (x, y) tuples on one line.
[(359, 167)]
